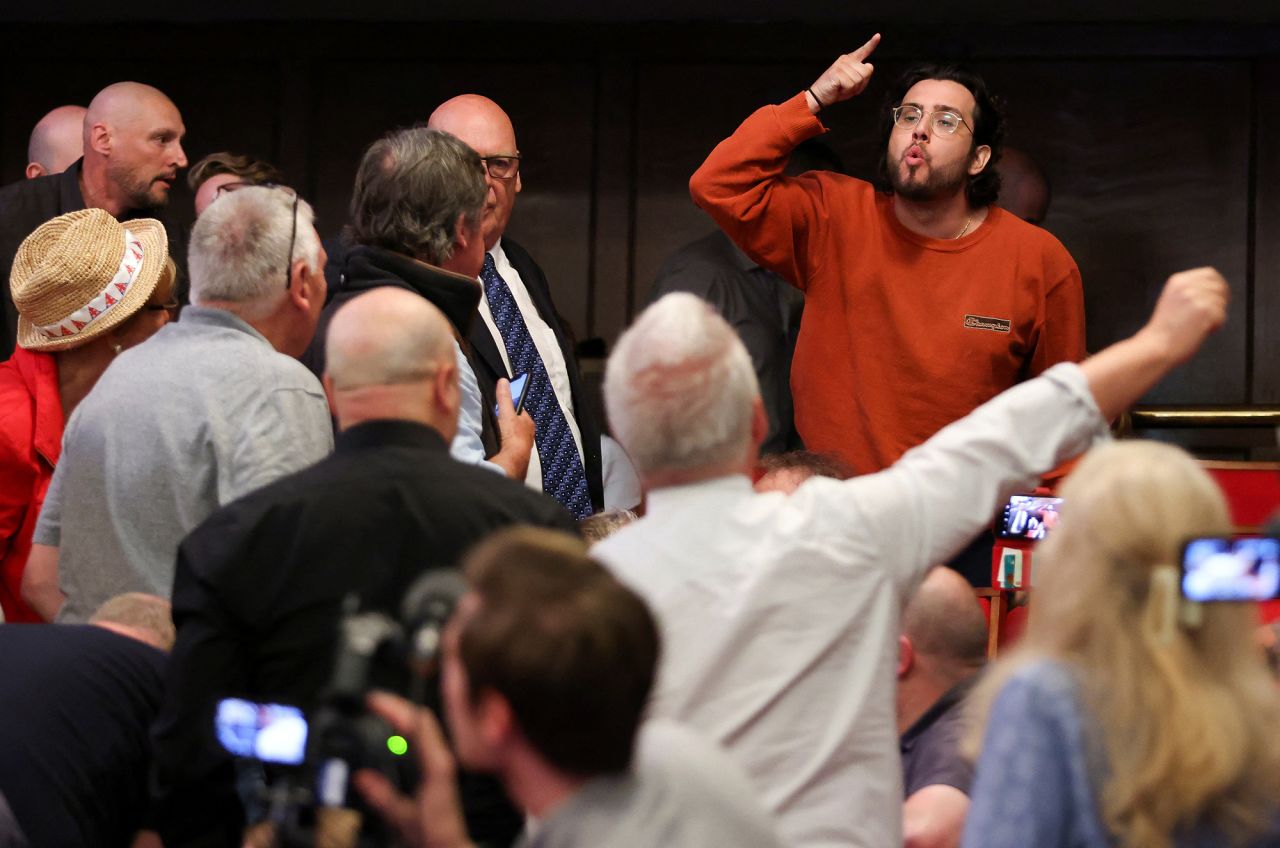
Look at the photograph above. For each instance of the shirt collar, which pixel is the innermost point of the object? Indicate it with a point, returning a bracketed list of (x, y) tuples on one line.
[(208, 316), (387, 433), (683, 497)]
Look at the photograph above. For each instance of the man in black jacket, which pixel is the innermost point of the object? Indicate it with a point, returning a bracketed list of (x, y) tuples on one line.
[(132, 154), (415, 225), (260, 586), (521, 333)]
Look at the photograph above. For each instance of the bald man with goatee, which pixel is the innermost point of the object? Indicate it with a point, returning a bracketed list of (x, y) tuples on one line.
[(132, 142), (364, 523), (520, 331)]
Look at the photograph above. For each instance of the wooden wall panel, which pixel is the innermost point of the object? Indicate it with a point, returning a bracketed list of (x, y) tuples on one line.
[(1266, 241), (1160, 141), (551, 107)]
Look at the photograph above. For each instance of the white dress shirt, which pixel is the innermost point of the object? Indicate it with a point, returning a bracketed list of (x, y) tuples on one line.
[(544, 339), (779, 613)]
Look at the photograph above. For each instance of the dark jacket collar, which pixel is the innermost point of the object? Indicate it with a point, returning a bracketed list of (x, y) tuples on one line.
[(456, 296), (69, 197), (389, 433)]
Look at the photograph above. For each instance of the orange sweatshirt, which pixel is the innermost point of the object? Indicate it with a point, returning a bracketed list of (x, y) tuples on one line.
[(902, 334)]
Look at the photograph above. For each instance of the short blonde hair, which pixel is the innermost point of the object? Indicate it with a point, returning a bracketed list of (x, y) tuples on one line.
[(1190, 726)]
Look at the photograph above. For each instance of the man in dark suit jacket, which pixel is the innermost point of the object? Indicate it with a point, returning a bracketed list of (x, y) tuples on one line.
[(520, 331), (260, 587), (132, 154)]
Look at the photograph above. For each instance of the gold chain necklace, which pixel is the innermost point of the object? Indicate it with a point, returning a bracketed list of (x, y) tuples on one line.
[(966, 227)]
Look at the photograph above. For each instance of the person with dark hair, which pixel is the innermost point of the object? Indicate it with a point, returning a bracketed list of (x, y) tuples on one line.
[(548, 666), (924, 298), (416, 224), (760, 306), (222, 172)]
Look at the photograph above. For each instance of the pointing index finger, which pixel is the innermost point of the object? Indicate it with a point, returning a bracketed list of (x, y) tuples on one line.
[(867, 49)]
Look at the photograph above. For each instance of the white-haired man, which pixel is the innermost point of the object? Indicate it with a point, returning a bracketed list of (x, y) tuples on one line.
[(780, 613), (207, 410)]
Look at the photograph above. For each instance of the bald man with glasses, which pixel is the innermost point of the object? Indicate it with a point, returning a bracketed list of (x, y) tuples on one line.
[(520, 331), (924, 299)]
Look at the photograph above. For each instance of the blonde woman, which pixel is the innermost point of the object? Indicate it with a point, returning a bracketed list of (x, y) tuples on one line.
[(1129, 717)]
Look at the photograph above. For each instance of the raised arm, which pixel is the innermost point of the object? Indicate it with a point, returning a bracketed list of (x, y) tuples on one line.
[(773, 218), (939, 495)]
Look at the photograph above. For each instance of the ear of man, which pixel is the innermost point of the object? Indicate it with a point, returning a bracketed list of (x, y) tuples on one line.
[(906, 656), (981, 156), (100, 139)]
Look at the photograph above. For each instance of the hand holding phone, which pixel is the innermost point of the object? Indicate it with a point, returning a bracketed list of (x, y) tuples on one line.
[(518, 386)]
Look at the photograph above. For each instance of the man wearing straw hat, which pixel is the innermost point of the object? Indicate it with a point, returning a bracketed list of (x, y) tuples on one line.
[(132, 155), (211, 408), (82, 298)]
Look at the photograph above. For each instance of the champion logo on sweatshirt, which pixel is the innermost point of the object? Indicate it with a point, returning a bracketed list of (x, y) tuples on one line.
[(982, 322)]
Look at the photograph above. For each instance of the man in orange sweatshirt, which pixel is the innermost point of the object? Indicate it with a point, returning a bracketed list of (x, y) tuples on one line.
[(924, 299)]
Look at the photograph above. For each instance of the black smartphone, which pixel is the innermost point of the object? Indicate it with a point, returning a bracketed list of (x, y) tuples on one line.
[(1227, 568), (518, 386), (1028, 517), (273, 733)]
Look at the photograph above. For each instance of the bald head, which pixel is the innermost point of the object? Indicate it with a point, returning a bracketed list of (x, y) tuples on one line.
[(147, 618), (483, 126), (133, 148), (945, 623), (56, 142), (386, 337), (1024, 189), (390, 355)]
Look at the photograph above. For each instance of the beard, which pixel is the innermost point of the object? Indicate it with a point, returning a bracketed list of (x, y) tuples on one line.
[(939, 182), (140, 191)]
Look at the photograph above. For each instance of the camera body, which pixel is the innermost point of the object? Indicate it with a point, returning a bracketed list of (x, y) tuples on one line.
[(309, 760)]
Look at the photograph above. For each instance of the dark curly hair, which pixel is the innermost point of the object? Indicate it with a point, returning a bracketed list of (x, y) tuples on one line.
[(988, 126)]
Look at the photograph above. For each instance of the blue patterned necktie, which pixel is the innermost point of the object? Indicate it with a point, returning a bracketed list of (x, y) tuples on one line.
[(562, 474)]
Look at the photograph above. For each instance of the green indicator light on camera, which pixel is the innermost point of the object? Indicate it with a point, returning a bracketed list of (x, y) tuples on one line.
[(397, 745)]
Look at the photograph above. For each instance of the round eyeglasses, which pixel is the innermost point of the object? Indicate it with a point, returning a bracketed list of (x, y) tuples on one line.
[(944, 122)]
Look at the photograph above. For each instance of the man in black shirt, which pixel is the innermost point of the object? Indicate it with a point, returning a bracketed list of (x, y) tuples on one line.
[(132, 154), (940, 652), (260, 586), (75, 705)]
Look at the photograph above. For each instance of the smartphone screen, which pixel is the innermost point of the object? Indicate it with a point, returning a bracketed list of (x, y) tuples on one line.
[(273, 733), (517, 393), (1028, 517), (1222, 568)]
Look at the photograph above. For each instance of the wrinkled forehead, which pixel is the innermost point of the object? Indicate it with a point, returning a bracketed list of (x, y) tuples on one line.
[(935, 95)]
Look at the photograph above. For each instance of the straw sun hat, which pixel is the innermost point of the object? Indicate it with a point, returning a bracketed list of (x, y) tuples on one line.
[(83, 273)]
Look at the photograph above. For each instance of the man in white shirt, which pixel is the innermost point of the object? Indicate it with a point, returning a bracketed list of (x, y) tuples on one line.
[(547, 665), (521, 331), (780, 613)]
